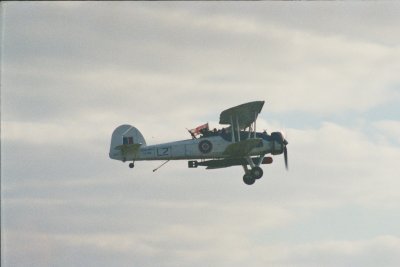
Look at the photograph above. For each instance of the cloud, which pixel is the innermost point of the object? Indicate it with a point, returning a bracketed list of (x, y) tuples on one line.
[(389, 129), (114, 62), (139, 249), (73, 72), (346, 164), (345, 253)]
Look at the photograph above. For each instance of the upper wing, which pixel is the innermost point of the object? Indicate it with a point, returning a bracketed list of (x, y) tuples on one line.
[(243, 115), (242, 148)]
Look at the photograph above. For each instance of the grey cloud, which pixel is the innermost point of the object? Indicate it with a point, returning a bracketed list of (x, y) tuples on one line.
[(367, 22), (112, 56), (73, 73)]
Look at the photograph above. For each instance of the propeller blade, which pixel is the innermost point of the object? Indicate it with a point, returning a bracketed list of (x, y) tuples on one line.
[(286, 158)]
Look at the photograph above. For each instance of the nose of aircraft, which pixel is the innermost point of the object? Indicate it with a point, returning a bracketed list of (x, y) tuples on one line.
[(279, 137)]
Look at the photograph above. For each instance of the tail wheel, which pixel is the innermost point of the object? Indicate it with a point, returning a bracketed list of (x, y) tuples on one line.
[(257, 172), (248, 179), (131, 165)]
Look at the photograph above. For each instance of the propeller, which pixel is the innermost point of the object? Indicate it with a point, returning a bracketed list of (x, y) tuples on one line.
[(286, 157), (279, 137), (285, 153)]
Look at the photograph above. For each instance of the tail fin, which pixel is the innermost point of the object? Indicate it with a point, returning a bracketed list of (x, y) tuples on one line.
[(125, 142)]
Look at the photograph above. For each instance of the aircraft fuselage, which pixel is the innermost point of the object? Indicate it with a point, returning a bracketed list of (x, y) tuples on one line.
[(212, 147)]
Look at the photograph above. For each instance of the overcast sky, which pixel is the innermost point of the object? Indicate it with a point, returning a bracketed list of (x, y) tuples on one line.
[(72, 72)]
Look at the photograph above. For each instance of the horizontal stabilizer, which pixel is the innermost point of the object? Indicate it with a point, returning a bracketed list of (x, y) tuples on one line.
[(242, 148), (129, 148)]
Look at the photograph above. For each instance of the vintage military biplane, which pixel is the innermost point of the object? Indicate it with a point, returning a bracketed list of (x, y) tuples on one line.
[(239, 144)]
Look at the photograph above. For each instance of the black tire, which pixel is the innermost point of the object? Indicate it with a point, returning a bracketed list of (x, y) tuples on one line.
[(248, 179), (131, 165), (257, 172)]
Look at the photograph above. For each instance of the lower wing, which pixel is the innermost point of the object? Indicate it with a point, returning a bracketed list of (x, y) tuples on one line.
[(242, 148)]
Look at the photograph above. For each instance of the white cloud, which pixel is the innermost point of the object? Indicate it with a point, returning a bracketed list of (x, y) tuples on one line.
[(345, 164), (77, 72), (372, 252)]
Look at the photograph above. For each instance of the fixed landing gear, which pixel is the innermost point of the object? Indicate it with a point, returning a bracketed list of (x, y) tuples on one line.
[(248, 179), (252, 175), (257, 172), (131, 165)]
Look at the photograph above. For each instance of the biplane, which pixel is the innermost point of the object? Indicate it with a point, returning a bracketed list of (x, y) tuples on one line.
[(237, 144)]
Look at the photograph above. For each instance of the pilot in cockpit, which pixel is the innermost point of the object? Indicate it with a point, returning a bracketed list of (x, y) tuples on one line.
[(205, 132)]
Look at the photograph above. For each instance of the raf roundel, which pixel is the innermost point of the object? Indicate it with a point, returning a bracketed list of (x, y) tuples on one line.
[(205, 146)]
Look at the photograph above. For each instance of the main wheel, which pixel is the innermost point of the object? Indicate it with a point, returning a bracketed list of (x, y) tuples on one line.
[(131, 165), (257, 172), (248, 179)]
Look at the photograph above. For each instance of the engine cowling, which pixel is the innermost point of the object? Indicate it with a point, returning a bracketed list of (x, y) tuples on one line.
[(278, 143)]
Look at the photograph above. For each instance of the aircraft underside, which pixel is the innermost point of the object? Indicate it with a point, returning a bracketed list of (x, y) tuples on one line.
[(250, 176)]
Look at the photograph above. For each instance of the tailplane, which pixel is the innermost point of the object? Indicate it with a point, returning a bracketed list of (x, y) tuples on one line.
[(125, 142)]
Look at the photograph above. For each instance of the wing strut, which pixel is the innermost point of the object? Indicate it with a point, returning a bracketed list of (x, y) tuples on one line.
[(232, 131), (238, 128), (255, 123)]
